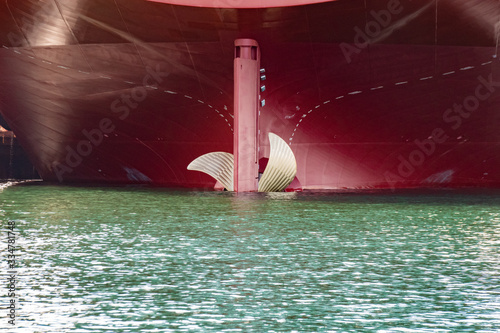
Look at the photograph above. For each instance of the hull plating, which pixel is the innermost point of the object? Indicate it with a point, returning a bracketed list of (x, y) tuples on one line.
[(133, 91)]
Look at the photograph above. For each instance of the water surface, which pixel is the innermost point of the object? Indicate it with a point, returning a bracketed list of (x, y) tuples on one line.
[(150, 260)]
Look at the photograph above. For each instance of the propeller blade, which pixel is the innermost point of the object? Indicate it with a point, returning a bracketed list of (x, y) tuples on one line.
[(219, 165), (281, 168)]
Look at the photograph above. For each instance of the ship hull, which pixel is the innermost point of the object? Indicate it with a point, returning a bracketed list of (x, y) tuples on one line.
[(135, 94)]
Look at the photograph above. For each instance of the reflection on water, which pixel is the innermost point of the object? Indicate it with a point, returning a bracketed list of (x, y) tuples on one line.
[(149, 260)]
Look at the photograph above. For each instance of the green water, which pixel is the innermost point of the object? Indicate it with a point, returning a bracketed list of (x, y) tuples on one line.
[(150, 260)]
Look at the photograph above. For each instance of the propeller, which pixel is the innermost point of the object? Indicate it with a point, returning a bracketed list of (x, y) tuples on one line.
[(279, 173)]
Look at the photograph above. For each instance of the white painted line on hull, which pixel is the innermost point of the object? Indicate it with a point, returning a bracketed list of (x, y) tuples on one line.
[(355, 92), (171, 92), (486, 63), (426, 78), (448, 73), (376, 88), (187, 96), (466, 68), (400, 83)]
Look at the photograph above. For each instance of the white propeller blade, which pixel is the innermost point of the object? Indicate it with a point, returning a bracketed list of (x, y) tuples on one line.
[(218, 165), (281, 168)]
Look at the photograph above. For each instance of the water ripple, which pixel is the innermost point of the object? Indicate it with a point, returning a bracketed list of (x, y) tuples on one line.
[(219, 262)]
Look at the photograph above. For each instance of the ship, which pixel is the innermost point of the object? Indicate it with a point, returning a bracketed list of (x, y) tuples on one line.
[(367, 94)]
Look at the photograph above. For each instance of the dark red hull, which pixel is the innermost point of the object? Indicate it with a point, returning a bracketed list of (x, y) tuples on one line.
[(133, 91)]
